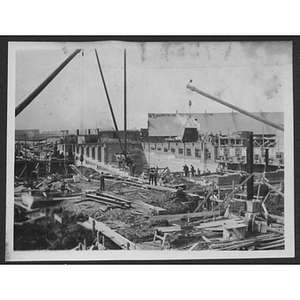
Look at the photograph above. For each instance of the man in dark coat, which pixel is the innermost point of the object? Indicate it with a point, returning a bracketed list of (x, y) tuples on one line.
[(186, 170), (133, 169), (151, 176), (192, 170), (102, 183)]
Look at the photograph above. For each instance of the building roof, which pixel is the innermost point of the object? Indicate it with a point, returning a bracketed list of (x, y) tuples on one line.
[(33, 135), (171, 125)]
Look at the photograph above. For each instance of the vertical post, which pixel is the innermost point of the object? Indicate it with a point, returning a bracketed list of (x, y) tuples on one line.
[(125, 106), (250, 166), (109, 103), (266, 160)]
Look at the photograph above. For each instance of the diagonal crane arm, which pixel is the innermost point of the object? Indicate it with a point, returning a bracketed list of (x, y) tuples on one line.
[(41, 87), (194, 89), (109, 103)]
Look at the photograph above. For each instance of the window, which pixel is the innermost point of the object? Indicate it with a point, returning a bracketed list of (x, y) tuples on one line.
[(279, 155), (197, 153), (180, 151), (165, 149), (207, 154), (188, 152), (158, 148), (152, 148), (173, 150)]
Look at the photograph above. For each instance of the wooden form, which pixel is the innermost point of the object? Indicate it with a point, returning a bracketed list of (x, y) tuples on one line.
[(185, 216), (161, 233), (118, 239), (203, 201), (78, 172), (156, 209), (226, 201)]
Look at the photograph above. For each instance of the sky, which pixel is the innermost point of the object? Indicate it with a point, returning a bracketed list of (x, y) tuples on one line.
[(255, 76)]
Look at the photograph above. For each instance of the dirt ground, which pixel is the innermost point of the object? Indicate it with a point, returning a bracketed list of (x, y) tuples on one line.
[(133, 223)]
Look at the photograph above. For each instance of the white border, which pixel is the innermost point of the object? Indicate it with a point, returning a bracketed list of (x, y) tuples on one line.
[(184, 256)]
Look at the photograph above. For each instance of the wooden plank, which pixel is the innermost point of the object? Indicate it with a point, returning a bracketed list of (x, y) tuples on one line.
[(269, 229), (187, 216), (220, 223), (157, 209), (58, 219), (202, 202), (161, 188), (107, 200), (194, 246), (206, 239), (100, 193), (168, 229), (278, 219), (118, 239)]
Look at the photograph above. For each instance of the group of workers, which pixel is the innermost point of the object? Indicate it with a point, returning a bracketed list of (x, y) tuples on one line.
[(187, 171), (153, 174), (191, 172)]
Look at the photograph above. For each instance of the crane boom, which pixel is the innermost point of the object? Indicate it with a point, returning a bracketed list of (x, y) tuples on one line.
[(109, 102), (40, 87), (194, 89)]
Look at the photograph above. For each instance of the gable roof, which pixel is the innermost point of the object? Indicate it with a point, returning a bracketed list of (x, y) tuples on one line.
[(171, 125)]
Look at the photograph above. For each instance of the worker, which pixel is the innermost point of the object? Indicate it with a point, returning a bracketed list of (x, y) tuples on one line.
[(151, 176), (192, 170), (133, 169), (155, 175), (186, 171), (102, 186)]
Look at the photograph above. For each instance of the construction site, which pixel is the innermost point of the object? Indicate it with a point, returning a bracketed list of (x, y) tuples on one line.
[(185, 188)]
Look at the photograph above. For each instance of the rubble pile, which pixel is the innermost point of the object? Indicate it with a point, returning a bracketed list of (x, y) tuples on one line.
[(188, 214)]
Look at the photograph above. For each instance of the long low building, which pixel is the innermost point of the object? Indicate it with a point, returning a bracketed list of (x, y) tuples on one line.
[(207, 139)]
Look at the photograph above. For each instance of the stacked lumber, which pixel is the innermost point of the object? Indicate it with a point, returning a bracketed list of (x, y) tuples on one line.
[(115, 202), (267, 241)]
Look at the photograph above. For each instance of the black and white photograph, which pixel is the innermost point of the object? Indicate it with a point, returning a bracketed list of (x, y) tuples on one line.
[(150, 150)]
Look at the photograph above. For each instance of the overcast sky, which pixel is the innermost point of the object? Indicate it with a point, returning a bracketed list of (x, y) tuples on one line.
[(252, 75)]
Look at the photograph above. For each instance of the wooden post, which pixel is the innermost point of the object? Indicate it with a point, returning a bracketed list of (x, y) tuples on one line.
[(258, 191), (250, 166), (94, 224)]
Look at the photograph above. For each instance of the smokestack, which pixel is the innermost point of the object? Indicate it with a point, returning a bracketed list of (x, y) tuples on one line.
[(89, 131), (77, 131), (250, 166)]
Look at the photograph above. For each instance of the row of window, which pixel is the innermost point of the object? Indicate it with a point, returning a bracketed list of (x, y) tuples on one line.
[(188, 151)]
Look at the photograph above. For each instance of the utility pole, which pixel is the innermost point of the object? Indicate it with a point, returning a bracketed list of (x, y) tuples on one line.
[(125, 107), (250, 166), (65, 132)]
